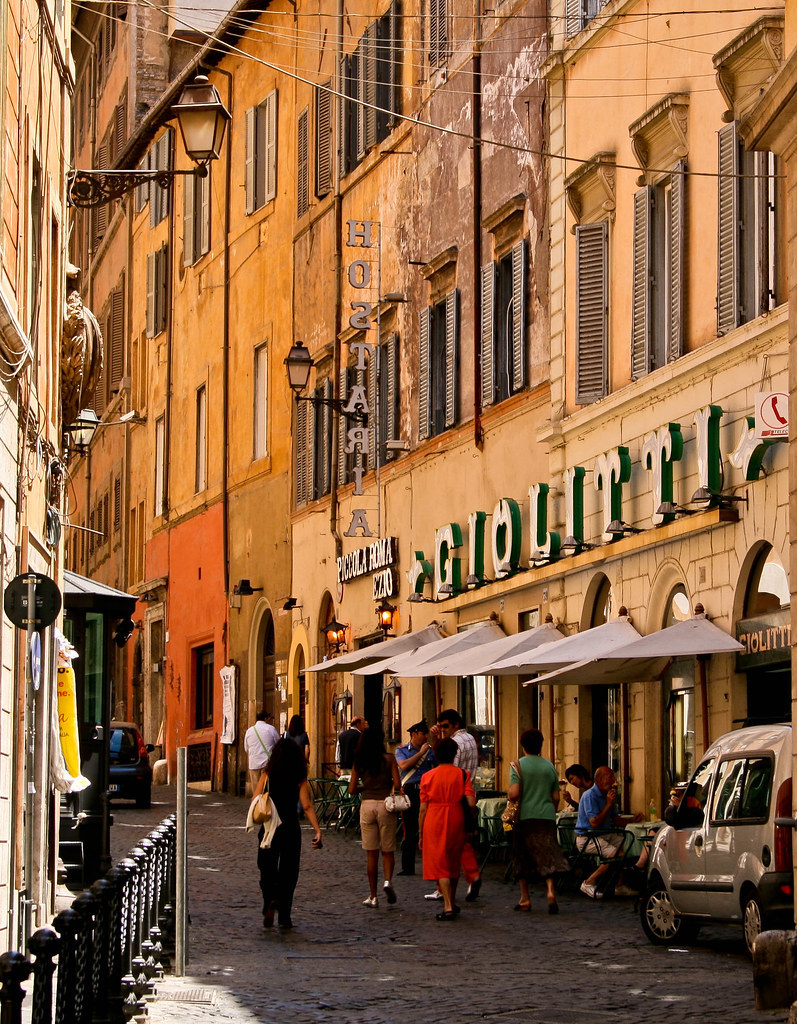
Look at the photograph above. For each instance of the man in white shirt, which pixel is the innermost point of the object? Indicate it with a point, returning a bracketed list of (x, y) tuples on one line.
[(259, 740), (449, 725)]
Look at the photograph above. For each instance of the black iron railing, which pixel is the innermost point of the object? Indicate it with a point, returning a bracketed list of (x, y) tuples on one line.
[(107, 948)]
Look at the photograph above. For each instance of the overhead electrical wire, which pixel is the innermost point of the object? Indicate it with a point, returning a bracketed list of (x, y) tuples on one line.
[(416, 120)]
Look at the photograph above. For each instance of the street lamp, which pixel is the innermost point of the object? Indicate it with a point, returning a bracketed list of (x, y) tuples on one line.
[(336, 634), (79, 434), (298, 364), (202, 118), (385, 612)]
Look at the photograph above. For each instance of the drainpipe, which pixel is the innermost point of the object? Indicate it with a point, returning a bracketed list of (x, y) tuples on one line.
[(476, 79), (230, 750), (339, 88)]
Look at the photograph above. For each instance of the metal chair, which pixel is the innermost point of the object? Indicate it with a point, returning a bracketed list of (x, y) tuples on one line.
[(493, 838)]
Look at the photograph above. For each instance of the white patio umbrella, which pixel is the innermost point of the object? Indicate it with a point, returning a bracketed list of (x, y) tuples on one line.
[(378, 652), (424, 660), (591, 643), (477, 661)]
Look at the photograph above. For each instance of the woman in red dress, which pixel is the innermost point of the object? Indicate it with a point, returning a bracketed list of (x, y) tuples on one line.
[(442, 824)]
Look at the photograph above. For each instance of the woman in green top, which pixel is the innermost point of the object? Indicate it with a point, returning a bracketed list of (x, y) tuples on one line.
[(536, 849)]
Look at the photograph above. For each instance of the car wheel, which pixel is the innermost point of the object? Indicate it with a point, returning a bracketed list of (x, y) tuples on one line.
[(661, 922), (752, 920), (144, 797)]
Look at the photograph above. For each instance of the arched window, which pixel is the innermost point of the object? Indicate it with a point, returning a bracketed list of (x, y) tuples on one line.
[(679, 685), (767, 585)]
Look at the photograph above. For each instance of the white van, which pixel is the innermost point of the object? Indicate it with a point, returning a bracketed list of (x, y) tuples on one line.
[(725, 858)]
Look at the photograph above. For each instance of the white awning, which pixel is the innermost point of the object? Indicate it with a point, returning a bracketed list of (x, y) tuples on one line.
[(424, 661), (648, 657), (591, 643), (378, 652), (477, 662)]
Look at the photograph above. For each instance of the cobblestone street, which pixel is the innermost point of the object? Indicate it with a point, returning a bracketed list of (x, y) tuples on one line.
[(346, 962)]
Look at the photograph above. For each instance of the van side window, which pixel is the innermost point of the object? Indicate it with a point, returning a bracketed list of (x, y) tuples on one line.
[(690, 810), (744, 786)]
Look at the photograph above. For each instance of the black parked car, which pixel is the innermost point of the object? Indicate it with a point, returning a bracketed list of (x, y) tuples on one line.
[(129, 772)]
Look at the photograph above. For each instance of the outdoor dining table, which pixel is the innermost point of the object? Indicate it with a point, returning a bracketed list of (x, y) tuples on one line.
[(490, 807), (640, 831)]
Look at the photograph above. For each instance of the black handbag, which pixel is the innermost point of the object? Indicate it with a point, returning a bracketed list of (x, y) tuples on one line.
[(470, 814)]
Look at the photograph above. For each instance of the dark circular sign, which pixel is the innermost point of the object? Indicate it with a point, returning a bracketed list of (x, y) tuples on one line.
[(47, 600)]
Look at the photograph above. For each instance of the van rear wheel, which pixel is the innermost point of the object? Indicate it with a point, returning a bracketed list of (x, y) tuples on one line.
[(752, 920), (661, 922)]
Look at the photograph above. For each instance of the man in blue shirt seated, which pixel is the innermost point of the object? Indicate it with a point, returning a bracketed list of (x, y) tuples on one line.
[(597, 816)]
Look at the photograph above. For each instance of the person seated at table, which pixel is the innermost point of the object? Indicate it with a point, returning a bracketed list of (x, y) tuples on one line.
[(580, 778), (597, 817), (669, 818)]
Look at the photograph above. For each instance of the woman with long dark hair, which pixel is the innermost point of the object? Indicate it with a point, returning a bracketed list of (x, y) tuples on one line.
[(286, 773), (375, 774), (297, 733)]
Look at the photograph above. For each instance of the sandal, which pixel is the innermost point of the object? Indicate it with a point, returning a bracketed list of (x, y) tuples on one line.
[(268, 916), (553, 907), (446, 915), (523, 906)]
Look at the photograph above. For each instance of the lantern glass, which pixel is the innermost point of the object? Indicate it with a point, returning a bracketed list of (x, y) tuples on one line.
[(203, 119), (298, 362)]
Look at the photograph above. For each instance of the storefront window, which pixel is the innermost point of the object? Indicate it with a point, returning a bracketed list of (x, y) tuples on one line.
[(391, 711), (765, 632), (477, 703), (94, 667), (680, 683)]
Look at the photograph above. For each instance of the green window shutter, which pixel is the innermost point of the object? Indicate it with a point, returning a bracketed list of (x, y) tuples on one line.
[(728, 231), (452, 357), (189, 209), (488, 335), (592, 297), (250, 160), (424, 362), (270, 149), (675, 339), (640, 319), (519, 316)]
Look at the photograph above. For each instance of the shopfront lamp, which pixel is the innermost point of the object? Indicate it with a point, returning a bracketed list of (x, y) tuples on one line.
[(384, 613), (79, 434), (335, 633)]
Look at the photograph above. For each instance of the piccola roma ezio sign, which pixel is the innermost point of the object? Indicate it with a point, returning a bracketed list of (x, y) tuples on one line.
[(661, 451)]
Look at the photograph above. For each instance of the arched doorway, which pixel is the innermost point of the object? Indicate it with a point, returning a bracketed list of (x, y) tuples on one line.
[(605, 710), (679, 691)]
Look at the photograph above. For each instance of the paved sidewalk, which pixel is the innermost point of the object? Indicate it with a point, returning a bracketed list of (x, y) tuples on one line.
[(345, 962)]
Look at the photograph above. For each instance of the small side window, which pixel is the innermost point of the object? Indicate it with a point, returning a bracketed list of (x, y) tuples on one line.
[(744, 787), (691, 809)]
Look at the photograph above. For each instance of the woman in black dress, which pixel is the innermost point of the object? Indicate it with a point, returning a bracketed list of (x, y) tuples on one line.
[(286, 774)]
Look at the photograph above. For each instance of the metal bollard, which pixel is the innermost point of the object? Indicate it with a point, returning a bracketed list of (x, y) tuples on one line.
[(45, 945), (86, 906), (14, 969), (117, 877), (67, 924)]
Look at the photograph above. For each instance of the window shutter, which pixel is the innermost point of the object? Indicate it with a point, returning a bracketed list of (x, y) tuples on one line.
[(390, 374), (343, 386), (424, 362), (368, 86), (251, 115), (326, 439), (142, 192), (120, 127), (189, 209), (452, 357), (117, 339), (374, 411), (728, 231), (573, 18), (161, 288), (151, 258), (323, 139), (592, 251), (302, 169), (301, 453), (640, 358), (438, 33), (101, 212), (395, 60), (675, 340), (343, 118), (204, 213), (488, 334), (519, 316), (270, 155)]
